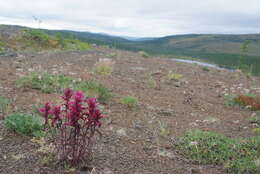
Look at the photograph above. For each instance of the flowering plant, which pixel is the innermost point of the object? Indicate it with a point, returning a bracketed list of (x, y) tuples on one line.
[(75, 123)]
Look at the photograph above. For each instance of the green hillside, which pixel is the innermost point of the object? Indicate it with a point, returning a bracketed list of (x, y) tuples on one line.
[(224, 50)]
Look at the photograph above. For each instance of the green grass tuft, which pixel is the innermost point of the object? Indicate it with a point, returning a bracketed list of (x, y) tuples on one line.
[(4, 104), (129, 101), (95, 89)]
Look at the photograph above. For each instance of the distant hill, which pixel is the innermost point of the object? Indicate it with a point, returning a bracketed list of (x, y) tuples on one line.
[(222, 49)]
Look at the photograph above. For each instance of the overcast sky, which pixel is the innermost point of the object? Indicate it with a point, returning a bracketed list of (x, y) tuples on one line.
[(136, 17)]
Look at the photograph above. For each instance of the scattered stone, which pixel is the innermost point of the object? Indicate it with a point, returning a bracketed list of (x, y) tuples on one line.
[(235, 121), (165, 153), (177, 84), (211, 120), (18, 156), (138, 68), (108, 120), (121, 132), (193, 124), (195, 171), (94, 171), (168, 112), (247, 91), (106, 171), (137, 124)]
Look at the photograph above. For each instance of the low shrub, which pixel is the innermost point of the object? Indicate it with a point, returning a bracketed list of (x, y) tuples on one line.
[(237, 155), (129, 101), (74, 123), (246, 100), (24, 124)]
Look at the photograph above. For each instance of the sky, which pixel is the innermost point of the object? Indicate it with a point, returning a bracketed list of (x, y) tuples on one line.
[(136, 18)]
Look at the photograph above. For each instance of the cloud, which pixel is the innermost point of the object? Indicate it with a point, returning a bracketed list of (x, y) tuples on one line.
[(136, 17)]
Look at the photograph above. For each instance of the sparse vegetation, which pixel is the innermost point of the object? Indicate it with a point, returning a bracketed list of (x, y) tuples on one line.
[(229, 100), (163, 129), (49, 83), (46, 82), (24, 124), (4, 105), (129, 101), (236, 155), (204, 68), (104, 67), (144, 54), (174, 76), (2, 45), (151, 81), (95, 89)]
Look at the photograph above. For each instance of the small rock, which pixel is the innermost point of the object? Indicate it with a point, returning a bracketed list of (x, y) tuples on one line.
[(195, 171), (235, 121), (18, 156), (138, 68), (121, 132), (165, 153), (168, 112), (177, 84), (211, 120), (193, 124), (247, 91)]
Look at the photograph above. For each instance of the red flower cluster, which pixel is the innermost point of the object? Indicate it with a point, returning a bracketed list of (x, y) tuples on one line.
[(75, 109), (76, 121)]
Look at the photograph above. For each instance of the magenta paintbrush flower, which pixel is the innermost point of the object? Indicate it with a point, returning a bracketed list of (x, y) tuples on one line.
[(76, 125)]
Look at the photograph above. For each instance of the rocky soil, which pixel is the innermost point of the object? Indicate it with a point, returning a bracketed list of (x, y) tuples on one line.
[(131, 143)]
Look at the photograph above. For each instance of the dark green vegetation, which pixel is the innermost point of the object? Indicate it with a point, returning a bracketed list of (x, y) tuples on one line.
[(237, 155), (49, 83), (24, 124)]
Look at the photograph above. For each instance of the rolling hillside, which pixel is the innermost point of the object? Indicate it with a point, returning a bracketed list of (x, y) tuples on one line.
[(224, 50)]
